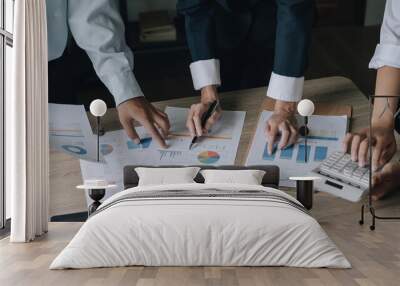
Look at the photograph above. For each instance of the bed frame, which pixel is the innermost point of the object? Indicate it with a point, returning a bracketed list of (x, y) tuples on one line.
[(271, 177)]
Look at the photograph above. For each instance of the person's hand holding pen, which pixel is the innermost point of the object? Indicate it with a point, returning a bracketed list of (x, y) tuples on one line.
[(209, 95), (282, 123)]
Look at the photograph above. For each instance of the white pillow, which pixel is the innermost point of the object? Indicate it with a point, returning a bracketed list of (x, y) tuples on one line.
[(166, 176), (247, 177)]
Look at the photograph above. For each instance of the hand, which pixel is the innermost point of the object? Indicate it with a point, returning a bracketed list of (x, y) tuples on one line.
[(155, 121), (383, 142), (386, 180), (193, 122), (284, 122)]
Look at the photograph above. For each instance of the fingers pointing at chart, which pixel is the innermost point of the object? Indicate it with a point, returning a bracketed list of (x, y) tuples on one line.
[(155, 121), (281, 126)]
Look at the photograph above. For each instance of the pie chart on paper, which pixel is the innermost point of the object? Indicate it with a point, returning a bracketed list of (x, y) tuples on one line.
[(208, 157), (74, 149), (106, 149)]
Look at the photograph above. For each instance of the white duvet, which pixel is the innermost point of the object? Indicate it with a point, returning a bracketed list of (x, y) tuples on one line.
[(200, 231)]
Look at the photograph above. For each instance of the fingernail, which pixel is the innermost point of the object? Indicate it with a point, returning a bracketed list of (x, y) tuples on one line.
[(136, 141)]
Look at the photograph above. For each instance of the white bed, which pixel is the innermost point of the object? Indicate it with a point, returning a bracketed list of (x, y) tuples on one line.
[(258, 226)]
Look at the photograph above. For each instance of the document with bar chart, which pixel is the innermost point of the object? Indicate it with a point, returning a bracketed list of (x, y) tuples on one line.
[(326, 134)]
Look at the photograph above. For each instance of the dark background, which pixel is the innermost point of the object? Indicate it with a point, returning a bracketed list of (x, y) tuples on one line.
[(341, 46)]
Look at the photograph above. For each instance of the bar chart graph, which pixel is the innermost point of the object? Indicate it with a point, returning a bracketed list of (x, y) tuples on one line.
[(321, 152), (318, 153), (144, 143), (287, 153), (325, 136), (302, 153)]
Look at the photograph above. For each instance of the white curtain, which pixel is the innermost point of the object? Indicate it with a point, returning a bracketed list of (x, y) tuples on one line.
[(27, 146)]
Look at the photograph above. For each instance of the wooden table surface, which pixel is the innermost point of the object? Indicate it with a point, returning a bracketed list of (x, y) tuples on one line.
[(65, 171), (374, 255)]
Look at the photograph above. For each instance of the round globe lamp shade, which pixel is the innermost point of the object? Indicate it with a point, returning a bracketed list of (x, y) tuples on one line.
[(305, 107), (98, 107)]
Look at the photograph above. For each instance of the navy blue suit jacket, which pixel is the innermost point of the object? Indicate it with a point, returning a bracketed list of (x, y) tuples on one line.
[(213, 26)]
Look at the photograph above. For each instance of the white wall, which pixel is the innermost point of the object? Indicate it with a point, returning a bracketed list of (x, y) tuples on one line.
[(137, 6), (374, 12)]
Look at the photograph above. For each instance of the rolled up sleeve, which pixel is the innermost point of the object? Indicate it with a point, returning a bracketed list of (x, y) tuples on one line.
[(387, 52), (97, 27)]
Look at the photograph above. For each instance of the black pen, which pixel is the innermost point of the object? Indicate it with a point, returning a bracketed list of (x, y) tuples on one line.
[(211, 109)]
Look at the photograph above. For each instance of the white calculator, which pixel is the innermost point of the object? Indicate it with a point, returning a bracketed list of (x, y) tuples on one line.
[(342, 177)]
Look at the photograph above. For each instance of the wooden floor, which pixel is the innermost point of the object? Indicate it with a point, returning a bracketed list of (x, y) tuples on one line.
[(374, 255)]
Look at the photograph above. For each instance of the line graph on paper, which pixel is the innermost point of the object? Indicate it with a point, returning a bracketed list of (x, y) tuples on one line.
[(224, 129), (73, 130), (209, 145), (323, 135), (223, 136), (219, 146)]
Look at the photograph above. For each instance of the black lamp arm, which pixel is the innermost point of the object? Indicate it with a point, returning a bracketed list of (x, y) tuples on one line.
[(305, 138), (98, 137)]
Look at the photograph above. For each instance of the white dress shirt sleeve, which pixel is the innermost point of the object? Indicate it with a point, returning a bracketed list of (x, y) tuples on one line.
[(285, 88), (387, 52), (205, 72), (97, 27)]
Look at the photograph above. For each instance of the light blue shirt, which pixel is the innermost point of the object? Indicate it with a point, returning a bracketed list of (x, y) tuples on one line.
[(387, 52), (97, 27)]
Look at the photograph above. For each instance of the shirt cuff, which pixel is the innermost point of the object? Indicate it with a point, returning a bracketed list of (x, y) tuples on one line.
[(123, 86), (204, 73), (385, 55), (285, 88)]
